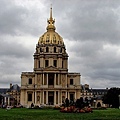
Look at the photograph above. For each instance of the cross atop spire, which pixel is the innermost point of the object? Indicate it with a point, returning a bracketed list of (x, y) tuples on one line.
[(51, 22), (51, 13)]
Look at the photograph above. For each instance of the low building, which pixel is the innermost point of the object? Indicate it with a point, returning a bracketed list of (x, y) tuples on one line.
[(3, 90), (93, 95), (14, 91), (10, 96), (6, 100)]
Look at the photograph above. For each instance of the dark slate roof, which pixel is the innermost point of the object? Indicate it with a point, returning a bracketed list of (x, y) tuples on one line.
[(3, 90), (99, 90), (83, 87), (14, 87), (100, 97), (6, 95), (94, 90)]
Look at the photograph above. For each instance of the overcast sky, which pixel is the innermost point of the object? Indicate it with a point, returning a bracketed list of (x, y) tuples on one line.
[(90, 30)]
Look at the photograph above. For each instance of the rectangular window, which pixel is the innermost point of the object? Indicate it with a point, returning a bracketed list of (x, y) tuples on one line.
[(54, 49), (46, 63), (47, 49), (41, 50), (55, 63), (30, 81), (71, 81), (71, 97), (29, 96), (39, 63)]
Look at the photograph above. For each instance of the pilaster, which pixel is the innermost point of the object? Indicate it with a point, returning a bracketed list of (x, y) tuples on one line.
[(46, 97), (43, 78), (54, 97), (43, 98)]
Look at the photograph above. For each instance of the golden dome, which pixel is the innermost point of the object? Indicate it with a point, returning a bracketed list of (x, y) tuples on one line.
[(50, 37)]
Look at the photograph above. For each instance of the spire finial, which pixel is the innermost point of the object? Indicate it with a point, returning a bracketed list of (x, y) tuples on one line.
[(51, 13), (51, 21)]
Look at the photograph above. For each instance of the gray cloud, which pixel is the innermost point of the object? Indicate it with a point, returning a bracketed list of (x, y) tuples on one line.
[(14, 58), (19, 20), (14, 49), (93, 20), (96, 61)]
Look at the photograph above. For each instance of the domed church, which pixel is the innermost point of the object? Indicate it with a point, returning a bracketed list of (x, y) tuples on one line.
[(50, 83)]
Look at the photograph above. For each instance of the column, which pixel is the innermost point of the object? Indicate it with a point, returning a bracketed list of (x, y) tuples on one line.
[(42, 63), (4, 100), (61, 78), (66, 80), (40, 97), (37, 63), (58, 97), (58, 79), (54, 97), (46, 97), (43, 78), (59, 63), (43, 98), (26, 98), (34, 62), (54, 79), (35, 97), (47, 78), (61, 97), (66, 94), (75, 95), (8, 101), (35, 82)]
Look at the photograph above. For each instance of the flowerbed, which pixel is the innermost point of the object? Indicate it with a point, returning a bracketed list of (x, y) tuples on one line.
[(73, 109)]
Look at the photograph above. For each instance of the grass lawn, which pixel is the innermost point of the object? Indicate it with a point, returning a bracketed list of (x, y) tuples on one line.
[(49, 114)]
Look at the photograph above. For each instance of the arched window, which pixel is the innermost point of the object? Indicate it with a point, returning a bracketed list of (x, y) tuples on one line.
[(55, 63), (29, 96), (61, 50), (41, 50), (39, 63), (46, 63), (30, 81), (71, 81), (47, 49), (55, 49)]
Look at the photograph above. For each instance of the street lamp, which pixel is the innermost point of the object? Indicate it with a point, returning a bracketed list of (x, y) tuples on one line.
[(119, 101), (94, 102), (67, 90)]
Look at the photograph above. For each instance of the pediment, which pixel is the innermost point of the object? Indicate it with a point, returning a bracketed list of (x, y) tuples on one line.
[(51, 68)]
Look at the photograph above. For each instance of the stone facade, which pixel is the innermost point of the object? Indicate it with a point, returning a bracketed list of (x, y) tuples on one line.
[(10, 96), (50, 82), (14, 91), (94, 96)]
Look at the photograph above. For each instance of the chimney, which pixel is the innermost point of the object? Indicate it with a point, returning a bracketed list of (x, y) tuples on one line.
[(86, 86), (10, 85)]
